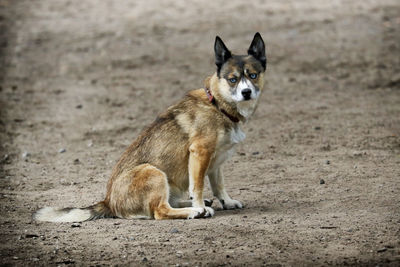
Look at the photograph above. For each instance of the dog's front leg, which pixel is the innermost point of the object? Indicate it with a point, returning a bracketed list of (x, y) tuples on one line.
[(199, 160), (217, 185)]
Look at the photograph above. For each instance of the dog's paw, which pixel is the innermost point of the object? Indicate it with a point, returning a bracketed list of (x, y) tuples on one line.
[(209, 212), (231, 204), (196, 213)]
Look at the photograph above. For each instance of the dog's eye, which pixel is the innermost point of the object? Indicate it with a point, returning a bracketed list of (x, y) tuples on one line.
[(253, 75), (233, 80)]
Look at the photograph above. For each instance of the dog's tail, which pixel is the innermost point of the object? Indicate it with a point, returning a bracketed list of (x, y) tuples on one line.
[(97, 211)]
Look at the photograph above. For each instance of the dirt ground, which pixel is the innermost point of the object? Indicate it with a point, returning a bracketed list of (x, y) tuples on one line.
[(318, 172)]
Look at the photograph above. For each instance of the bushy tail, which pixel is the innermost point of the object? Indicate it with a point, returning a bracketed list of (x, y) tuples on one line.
[(97, 211)]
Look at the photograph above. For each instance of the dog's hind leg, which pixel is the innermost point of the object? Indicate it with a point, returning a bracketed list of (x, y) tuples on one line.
[(145, 191)]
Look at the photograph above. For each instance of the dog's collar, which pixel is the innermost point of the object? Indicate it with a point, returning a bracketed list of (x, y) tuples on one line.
[(212, 100), (209, 95)]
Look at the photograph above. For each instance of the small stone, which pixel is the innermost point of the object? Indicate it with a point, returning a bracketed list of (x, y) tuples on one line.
[(114, 238), (74, 225), (31, 236), (62, 150), (6, 159), (145, 259), (328, 162), (76, 161), (179, 254), (90, 143), (174, 231), (321, 181), (255, 153), (381, 250), (26, 154), (78, 106), (317, 128), (15, 258)]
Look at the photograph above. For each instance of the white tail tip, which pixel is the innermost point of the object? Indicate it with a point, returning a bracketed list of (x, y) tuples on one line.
[(49, 214)]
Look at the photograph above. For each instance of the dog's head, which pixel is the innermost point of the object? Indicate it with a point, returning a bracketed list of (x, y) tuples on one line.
[(241, 77)]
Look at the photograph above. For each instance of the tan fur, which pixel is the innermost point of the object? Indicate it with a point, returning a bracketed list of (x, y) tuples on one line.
[(186, 143)]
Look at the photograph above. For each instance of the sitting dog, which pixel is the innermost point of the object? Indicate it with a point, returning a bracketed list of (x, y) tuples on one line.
[(186, 143)]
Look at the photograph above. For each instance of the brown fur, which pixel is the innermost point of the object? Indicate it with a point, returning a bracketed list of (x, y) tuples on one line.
[(179, 137)]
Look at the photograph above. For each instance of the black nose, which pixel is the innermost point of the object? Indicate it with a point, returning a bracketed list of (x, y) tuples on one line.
[(246, 93)]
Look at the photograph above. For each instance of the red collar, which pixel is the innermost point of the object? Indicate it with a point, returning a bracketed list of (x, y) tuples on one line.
[(212, 100), (209, 95)]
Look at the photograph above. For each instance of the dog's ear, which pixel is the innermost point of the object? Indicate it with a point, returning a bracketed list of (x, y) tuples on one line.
[(257, 50), (222, 54)]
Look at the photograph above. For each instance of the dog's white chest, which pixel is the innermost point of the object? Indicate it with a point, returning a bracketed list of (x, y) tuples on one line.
[(226, 146)]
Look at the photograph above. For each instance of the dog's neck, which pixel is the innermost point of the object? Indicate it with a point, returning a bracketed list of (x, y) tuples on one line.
[(228, 109)]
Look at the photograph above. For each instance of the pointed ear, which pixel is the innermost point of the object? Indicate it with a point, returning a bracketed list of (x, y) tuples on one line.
[(257, 50), (222, 54)]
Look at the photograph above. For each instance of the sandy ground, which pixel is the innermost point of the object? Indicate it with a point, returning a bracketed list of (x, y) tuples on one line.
[(319, 170)]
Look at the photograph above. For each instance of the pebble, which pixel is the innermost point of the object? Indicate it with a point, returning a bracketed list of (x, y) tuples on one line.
[(26, 154), (76, 161), (321, 181), (145, 259), (381, 250), (6, 159), (79, 106), (62, 150), (76, 225), (255, 153), (174, 231), (328, 162), (31, 236)]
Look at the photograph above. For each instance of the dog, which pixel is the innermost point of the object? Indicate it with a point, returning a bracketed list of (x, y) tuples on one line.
[(186, 143)]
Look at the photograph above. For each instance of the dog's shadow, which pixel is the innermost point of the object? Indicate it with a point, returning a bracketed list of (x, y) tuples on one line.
[(274, 209), (246, 211)]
